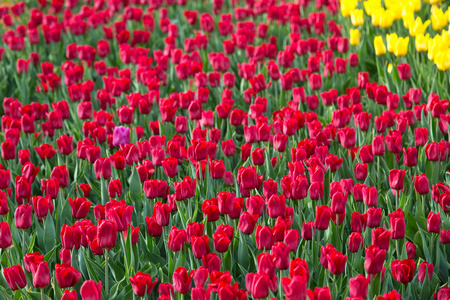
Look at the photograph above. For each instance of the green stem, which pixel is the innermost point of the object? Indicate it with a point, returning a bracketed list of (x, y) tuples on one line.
[(42, 294), (8, 257), (23, 243), (279, 285), (105, 251)]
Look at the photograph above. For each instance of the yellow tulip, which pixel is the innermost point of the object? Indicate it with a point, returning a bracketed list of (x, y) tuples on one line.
[(354, 37), (422, 42), (445, 39), (438, 19), (371, 5), (418, 27), (434, 47), (442, 60), (389, 68), (377, 16), (417, 5), (401, 48), (378, 43), (386, 19), (435, 2), (357, 17), (391, 40), (347, 6), (408, 20)]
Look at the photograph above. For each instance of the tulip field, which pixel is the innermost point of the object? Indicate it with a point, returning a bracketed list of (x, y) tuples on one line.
[(225, 149)]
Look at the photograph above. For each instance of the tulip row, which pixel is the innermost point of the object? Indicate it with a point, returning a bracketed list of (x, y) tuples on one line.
[(249, 154)]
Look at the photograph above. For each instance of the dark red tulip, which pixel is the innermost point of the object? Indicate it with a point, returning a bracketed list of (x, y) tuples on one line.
[(404, 71), (61, 174), (15, 277), (153, 228), (280, 252), (66, 276), (142, 284), (70, 237), (42, 206), (397, 179), (162, 213), (355, 242), (373, 217), (91, 290), (374, 259), (295, 287), (403, 270), (323, 216), (397, 221), (319, 293), (359, 286), (5, 178), (200, 246), (182, 280), (8, 150), (247, 222), (421, 184), (425, 270), (421, 136), (170, 166), (434, 222), (41, 274), (106, 234), (177, 239), (69, 295), (410, 250), (336, 262), (80, 207), (381, 238)]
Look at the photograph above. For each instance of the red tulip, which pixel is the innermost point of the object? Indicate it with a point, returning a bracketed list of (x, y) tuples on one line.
[(374, 259), (142, 284), (323, 216), (69, 295), (66, 276), (404, 71), (421, 184), (80, 207), (41, 274), (177, 239), (434, 222), (397, 221), (91, 290), (403, 270), (381, 238), (425, 269), (295, 287), (359, 286), (182, 280), (247, 222), (280, 254), (396, 179), (15, 277), (106, 234), (355, 242)]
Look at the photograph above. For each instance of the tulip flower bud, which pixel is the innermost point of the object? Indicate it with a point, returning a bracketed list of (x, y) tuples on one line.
[(41, 274), (403, 270), (91, 290), (142, 284), (359, 286), (5, 235), (425, 270), (106, 234)]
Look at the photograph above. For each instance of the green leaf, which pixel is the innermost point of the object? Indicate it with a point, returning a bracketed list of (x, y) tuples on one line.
[(135, 185), (243, 251), (49, 232)]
